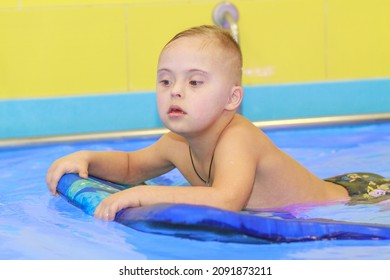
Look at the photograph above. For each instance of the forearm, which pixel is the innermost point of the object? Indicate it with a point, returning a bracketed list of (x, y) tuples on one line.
[(150, 195), (131, 168), (197, 195), (109, 165)]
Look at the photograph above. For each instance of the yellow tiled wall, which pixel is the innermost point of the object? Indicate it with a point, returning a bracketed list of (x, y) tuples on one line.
[(77, 47), (358, 44)]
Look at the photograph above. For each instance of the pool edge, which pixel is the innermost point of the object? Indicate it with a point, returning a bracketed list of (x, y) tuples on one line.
[(269, 124)]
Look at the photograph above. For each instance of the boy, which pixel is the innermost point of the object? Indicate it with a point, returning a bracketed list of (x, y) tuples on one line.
[(230, 163)]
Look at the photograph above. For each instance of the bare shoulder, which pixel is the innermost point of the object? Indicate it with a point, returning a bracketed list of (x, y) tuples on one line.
[(171, 139), (244, 127), (243, 141), (170, 145), (158, 158), (243, 134)]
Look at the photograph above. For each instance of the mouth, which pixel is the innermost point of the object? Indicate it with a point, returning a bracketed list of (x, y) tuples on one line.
[(175, 111)]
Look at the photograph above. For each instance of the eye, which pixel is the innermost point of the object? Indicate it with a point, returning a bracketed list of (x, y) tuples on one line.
[(165, 83), (196, 83)]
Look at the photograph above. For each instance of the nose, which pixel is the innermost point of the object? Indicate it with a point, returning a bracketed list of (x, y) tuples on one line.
[(177, 91)]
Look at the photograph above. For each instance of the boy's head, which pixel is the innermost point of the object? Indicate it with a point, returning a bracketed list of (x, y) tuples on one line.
[(199, 79), (216, 37)]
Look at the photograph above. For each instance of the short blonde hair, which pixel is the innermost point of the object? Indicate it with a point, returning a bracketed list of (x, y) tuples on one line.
[(224, 39)]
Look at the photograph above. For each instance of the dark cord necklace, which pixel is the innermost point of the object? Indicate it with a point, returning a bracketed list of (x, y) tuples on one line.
[(193, 166)]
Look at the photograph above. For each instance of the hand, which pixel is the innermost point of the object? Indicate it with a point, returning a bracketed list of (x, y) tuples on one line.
[(73, 163), (111, 205)]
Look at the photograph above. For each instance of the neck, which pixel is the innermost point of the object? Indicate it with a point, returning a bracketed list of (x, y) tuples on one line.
[(206, 181), (203, 144), (202, 149)]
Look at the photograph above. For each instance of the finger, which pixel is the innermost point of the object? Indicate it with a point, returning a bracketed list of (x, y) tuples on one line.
[(104, 215), (99, 212), (53, 185), (53, 177), (109, 217), (83, 173), (104, 212), (52, 181)]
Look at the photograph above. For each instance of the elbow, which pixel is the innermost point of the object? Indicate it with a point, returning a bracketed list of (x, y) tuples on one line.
[(230, 203), (233, 207), (230, 207)]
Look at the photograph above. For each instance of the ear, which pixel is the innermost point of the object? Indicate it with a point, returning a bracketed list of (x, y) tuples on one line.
[(235, 98)]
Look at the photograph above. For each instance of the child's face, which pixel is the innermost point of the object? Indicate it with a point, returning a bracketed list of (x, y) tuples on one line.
[(193, 84)]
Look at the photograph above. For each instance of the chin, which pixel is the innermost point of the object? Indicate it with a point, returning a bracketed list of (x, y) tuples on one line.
[(174, 127), (178, 130)]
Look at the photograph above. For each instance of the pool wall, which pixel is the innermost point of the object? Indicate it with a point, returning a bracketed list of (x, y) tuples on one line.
[(80, 66), (119, 112)]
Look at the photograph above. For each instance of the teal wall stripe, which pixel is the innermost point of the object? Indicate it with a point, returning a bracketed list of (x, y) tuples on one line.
[(72, 115), (129, 111), (316, 99)]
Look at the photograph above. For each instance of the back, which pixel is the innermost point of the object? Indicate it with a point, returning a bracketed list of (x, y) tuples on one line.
[(281, 180)]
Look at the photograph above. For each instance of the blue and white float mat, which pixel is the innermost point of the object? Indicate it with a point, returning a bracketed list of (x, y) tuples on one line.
[(212, 224)]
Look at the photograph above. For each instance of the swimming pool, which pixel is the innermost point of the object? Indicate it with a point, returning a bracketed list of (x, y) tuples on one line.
[(36, 225)]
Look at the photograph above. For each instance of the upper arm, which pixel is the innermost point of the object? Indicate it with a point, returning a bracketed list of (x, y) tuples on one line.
[(152, 161), (236, 162)]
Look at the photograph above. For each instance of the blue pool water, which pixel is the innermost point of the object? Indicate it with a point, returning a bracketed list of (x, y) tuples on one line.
[(36, 225)]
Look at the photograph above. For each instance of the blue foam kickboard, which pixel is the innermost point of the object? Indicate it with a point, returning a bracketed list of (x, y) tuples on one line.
[(212, 224)]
